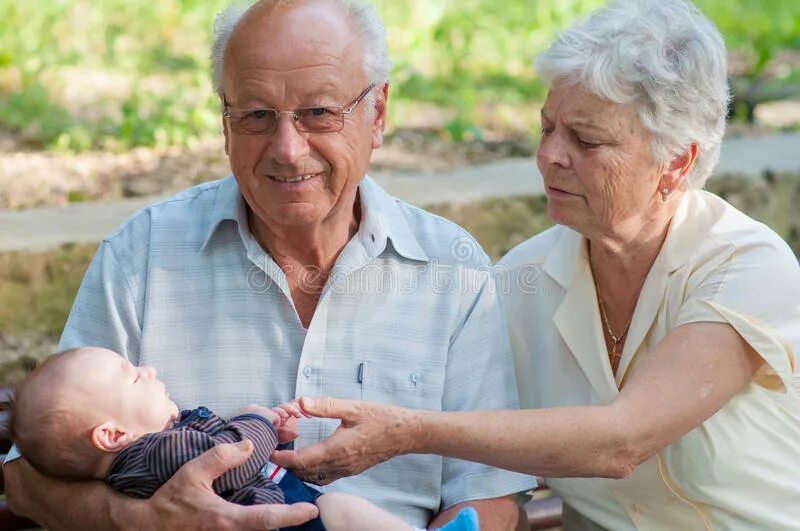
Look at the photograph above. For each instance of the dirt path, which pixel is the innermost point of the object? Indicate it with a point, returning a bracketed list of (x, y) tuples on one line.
[(413, 179)]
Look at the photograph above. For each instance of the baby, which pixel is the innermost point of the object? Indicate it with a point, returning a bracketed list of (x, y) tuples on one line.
[(89, 413)]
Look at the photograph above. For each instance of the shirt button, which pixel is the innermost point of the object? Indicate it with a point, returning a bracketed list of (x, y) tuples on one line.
[(307, 371), (414, 378)]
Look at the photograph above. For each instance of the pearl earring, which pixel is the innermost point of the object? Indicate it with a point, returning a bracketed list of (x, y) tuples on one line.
[(664, 194)]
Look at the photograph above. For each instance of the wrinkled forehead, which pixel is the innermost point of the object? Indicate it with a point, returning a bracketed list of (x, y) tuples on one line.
[(312, 39), (574, 104)]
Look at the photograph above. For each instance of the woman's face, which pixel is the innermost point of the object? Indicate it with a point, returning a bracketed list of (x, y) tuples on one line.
[(599, 173)]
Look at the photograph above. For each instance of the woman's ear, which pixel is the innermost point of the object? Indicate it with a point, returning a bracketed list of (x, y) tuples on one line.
[(108, 437), (678, 168)]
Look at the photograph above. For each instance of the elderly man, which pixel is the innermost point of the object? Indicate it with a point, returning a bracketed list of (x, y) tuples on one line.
[(296, 276)]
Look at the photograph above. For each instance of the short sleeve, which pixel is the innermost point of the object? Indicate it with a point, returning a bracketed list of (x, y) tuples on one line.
[(480, 376), (104, 313), (756, 290)]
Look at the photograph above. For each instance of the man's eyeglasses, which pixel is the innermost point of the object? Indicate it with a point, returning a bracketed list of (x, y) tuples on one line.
[(317, 119)]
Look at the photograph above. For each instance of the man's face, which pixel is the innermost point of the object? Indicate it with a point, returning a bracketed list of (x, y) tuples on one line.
[(305, 57)]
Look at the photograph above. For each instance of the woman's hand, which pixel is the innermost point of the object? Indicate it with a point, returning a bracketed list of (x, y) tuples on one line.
[(369, 434)]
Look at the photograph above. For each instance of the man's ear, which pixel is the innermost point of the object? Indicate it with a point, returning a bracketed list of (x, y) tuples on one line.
[(379, 122), (108, 437), (225, 133), (678, 168)]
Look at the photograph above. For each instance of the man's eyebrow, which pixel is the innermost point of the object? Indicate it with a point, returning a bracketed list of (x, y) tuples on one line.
[(332, 92)]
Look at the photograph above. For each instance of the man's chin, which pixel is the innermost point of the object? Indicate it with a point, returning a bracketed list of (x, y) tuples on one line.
[(299, 215)]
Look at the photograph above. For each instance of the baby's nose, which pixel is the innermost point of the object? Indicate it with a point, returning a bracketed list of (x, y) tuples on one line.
[(149, 372)]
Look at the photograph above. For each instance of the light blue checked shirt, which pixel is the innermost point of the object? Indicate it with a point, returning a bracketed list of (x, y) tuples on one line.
[(409, 316)]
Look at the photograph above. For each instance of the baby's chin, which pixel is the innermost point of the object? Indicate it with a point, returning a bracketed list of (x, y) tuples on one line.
[(176, 412)]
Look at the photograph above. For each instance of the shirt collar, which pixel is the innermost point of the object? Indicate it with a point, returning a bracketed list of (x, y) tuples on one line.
[(382, 220), (228, 206), (688, 227)]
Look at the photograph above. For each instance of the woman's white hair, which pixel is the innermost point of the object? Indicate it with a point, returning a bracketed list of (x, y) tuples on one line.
[(664, 56), (363, 16)]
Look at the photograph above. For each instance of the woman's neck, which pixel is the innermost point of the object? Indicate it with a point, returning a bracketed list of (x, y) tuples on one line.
[(621, 259)]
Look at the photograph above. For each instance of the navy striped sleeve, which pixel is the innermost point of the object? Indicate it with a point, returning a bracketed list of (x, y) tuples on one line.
[(165, 454), (264, 438)]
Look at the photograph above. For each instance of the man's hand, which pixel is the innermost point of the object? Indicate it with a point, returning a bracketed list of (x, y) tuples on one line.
[(187, 500), (369, 434)]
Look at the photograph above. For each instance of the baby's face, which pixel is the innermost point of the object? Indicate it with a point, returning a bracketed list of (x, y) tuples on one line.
[(130, 396)]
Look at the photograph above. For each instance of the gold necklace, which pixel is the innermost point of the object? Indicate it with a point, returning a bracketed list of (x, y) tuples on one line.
[(614, 356)]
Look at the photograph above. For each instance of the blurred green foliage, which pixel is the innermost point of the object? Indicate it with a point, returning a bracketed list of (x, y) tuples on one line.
[(82, 74)]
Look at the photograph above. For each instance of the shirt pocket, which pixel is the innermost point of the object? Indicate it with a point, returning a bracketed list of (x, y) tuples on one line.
[(411, 384)]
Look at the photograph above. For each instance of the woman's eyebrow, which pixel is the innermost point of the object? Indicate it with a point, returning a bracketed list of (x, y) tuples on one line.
[(585, 124)]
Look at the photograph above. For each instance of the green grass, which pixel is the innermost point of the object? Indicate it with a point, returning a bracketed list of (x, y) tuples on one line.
[(83, 74), (37, 288)]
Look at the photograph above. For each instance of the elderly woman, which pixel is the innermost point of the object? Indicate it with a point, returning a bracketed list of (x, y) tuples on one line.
[(654, 327)]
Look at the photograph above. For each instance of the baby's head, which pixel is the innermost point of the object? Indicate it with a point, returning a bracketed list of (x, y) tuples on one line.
[(79, 408)]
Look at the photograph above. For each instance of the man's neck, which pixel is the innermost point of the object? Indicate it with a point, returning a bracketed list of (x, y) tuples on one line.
[(315, 247)]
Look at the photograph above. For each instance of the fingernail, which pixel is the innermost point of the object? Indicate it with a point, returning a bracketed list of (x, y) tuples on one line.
[(243, 445), (308, 402)]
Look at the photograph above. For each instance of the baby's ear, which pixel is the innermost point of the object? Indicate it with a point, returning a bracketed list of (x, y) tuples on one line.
[(108, 437)]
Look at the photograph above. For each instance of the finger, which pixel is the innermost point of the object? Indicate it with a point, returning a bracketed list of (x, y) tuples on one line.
[(296, 403), (338, 408), (294, 409), (208, 466), (277, 516), (281, 412), (285, 435), (288, 410), (286, 459), (307, 461)]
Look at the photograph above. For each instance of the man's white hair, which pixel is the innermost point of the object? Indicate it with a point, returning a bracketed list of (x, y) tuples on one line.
[(664, 56), (365, 21)]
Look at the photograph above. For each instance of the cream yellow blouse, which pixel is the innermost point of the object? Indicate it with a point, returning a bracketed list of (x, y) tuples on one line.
[(741, 468)]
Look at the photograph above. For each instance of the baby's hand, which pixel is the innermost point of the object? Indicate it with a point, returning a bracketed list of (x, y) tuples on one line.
[(262, 411), (289, 413)]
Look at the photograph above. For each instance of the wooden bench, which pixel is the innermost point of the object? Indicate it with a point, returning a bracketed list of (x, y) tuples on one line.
[(542, 513), (8, 520)]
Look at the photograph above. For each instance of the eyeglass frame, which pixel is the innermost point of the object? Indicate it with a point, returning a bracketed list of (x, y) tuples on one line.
[(344, 111)]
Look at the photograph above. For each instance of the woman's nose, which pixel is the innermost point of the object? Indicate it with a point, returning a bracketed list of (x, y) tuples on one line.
[(552, 151)]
